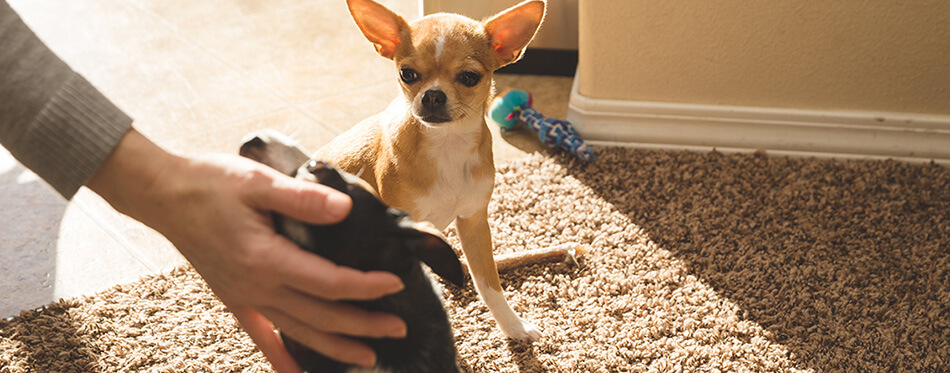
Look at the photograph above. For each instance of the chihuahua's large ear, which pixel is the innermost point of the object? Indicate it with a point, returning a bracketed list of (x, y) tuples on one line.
[(512, 30), (379, 24), (426, 243)]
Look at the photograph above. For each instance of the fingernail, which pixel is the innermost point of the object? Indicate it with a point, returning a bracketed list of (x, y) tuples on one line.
[(393, 284), (368, 360), (398, 286), (398, 330), (338, 206)]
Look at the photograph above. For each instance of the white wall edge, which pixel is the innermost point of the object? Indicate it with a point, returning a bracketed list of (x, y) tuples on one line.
[(837, 134)]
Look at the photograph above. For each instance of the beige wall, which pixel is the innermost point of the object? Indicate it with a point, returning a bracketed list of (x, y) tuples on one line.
[(881, 55)]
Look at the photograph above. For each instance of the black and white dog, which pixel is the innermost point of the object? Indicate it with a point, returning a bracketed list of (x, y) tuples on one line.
[(373, 237)]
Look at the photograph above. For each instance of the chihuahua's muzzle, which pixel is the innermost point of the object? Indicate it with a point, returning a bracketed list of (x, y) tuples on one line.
[(434, 108), (374, 237)]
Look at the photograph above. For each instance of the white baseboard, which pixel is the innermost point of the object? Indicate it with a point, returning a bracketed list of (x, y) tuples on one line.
[(845, 134)]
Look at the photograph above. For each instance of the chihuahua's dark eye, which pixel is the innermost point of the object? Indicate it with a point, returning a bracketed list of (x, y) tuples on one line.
[(468, 78), (409, 76)]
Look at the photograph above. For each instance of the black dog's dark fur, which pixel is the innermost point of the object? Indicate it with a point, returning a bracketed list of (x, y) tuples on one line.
[(374, 237)]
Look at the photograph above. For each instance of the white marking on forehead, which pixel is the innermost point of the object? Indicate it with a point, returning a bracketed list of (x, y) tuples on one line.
[(440, 44)]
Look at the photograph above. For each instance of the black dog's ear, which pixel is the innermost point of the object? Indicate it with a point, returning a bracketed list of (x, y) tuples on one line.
[(439, 256), (426, 243)]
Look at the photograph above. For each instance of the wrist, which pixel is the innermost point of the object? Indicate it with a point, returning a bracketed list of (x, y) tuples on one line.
[(127, 179)]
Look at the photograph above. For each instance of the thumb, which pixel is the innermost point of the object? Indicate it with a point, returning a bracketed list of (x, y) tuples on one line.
[(305, 201)]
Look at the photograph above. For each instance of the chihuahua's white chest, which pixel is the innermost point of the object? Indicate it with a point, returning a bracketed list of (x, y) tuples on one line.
[(455, 192)]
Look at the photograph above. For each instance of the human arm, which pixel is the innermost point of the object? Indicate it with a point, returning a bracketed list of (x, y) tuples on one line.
[(51, 119), (215, 210)]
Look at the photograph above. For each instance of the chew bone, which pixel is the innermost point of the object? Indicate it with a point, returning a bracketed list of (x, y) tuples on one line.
[(555, 254)]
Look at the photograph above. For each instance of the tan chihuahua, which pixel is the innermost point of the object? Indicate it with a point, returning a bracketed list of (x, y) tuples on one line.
[(430, 152)]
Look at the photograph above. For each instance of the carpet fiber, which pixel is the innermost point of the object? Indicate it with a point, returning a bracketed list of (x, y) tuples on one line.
[(696, 262)]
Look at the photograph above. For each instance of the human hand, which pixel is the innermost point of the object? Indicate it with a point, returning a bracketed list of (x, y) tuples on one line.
[(216, 211)]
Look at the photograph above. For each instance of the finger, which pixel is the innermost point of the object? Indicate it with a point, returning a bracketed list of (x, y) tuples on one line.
[(304, 201), (333, 346), (262, 333), (339, 318), (317, 276)]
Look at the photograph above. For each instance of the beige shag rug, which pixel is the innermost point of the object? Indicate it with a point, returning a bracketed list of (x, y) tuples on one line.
[(697, 262)]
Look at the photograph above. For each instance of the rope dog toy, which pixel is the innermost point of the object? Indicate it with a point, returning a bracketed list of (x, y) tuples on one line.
[(513, 107)]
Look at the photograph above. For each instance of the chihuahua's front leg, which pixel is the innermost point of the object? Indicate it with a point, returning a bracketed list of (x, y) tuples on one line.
[(477, 245)]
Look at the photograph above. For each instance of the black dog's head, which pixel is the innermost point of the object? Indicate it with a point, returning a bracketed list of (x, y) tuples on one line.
[(373, 237)]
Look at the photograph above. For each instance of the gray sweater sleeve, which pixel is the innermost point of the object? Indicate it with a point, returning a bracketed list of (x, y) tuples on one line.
[(51, 119)]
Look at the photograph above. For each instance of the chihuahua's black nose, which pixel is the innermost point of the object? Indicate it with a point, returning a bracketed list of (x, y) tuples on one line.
[(433, 99)]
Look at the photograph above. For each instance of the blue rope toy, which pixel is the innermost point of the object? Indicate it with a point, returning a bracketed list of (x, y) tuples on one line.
[(513, 107)]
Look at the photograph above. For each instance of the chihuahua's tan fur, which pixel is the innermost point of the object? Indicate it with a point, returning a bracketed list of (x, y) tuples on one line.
[(430, 152)]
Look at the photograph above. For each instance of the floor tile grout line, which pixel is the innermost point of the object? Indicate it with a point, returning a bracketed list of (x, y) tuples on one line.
[(129, 247), (177, 32), (299, 107), (346, 91), (320, 123), (216, 127), (277, 93), (334, 129), (314, 118), (286, 100)]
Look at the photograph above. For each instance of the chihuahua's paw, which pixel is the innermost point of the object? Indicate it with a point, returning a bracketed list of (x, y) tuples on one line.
[(526, 332)]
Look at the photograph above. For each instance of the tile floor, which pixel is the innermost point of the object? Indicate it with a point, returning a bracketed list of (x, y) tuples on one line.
[(197, 76)]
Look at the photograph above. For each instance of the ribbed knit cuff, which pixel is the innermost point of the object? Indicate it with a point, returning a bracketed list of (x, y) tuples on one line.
[(72, 135)]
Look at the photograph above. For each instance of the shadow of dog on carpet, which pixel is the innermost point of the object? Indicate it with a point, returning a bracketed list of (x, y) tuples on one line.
[(844, 262)]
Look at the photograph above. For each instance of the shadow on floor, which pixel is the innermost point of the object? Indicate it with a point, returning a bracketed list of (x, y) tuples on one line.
[(32, 213), (847, 263)]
